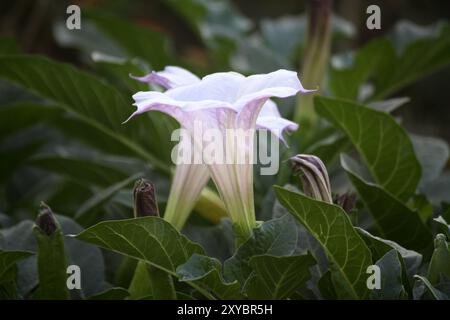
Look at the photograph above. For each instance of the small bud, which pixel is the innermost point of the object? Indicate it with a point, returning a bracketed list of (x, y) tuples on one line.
[(46, 220), (145, 203), (346, 201), (313, 176)]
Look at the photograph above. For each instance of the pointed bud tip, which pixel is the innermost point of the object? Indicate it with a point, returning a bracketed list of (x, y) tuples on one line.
[(145, 203), (46, 220)]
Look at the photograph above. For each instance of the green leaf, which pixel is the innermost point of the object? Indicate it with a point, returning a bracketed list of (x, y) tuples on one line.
[(90, 100), (277, 237), (206, 272), (140, 286), (8, 260), (151, 45), (389, 105), (52, 265), (382, 143), (88, 257), (379, 247), (432, 154), (391, 270), (417, 60), (390, 70), (440, 261), (393, 219), (278, 277), (326, 286), (443, 226), (111, 294), (150, 239), (151, 283), (161, 283), (435, 293), (329, 224)]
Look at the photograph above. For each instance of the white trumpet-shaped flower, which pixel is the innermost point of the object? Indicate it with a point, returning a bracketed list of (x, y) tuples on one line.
[(221, 101)]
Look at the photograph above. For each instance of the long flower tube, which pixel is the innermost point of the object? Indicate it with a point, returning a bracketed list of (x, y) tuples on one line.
[(223, 102)]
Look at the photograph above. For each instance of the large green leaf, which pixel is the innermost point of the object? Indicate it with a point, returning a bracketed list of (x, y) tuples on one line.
[(392, 287), (277, 237), (382, 143), (278, 277), (433, 154), (379, 247), (329, 224), (393, 219), (206, 272), (149, 239), (92, 101)]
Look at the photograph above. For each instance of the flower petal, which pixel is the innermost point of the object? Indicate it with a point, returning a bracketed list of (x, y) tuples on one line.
[(277, 126), (222, 86), (182, 111), (170, 77)]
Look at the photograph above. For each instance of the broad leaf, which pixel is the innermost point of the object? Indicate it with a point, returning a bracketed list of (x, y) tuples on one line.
[(277, 237), (206, 272), (382, 143), (432, 154), (379, 247), (434, 292), (278, 277), (150, 239), (329, 224), (391, 278), (393, 219), (92, 101)]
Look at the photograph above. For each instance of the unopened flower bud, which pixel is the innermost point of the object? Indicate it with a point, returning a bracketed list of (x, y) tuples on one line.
[(46, 220), (313, 176), (346, 201), (145, 203)]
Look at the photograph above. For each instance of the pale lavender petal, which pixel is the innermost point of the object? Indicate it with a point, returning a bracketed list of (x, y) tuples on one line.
[(222, 86), (170, 77), (269, 109), (277, 126)]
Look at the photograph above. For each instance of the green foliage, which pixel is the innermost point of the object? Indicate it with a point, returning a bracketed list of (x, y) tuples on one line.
[(62, 141), (330, 225)]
